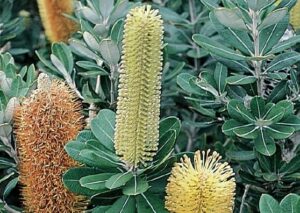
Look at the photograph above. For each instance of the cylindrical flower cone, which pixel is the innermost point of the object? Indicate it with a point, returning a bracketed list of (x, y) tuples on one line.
[(45, 122), (138, 107), (57, 26), (208, 186), (295, 16)]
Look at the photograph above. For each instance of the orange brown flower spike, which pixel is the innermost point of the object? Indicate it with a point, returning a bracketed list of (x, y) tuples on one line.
[(45, 122), (208, 186), (57, 26)]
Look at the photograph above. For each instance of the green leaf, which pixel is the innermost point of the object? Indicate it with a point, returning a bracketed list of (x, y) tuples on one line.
[(270, 177), (91, 41), (171, 16), (247, 131), (290, 203), (95, 182), (287, 106), (99, 159), (59, 66), (117, 31), (89, 94), (283, 61), (72, 177), (291, 167), (206, 86), (120, 10), (85, 135), (294, 81), (103, 127), (204, 111), (183, 80), (6, 163), (118, 180), (167, 124), (110, 52), (287, 3), (220, 75), (240, 66), (100, 209), (257, 106), (291, 121), (98, 146), (273, 18), (46, 62), (281, 46), (166, 145), (264, 162), (211, 4), (230, 18), (241, 155), (136, 186), (274, 114), (31, 75), (149, 203), (6, 176), (237, 38), (106, 7), (3, 100), (277, 76), (279, 132), (238, 111), (267, 204), (18, 88), (264, 144), (92, 74), (271, 35), (230, 125), (279, 92), (257, 5), (125, 204), (73, 149), (64, 54), (174, 71), (81, 49), (240, 80), (217, 48), (10, 186), (237, 92)]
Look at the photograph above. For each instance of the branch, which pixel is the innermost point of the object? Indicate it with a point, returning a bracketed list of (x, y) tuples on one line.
[(244, 198)]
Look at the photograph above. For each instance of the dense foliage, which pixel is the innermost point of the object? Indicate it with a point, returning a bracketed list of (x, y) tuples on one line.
[(227, 76)]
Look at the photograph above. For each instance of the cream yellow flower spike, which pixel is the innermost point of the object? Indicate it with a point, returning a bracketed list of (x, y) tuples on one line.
[(138, 107), (295, 16), (208, 186)]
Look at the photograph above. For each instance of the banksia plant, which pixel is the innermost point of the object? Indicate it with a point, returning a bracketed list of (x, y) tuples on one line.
[(295, 16), (57, 26), (208, 186), (138, 107), (45, 122)]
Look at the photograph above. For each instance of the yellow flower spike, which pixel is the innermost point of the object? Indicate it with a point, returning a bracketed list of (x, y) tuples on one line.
[(138, 107), (45, 122), (208, 186), (57, 26), (295, 16)]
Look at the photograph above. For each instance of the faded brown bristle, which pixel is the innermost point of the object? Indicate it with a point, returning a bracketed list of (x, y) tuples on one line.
[(45, 122)]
